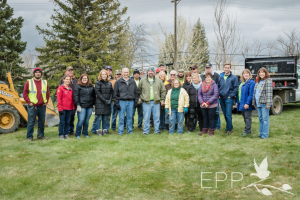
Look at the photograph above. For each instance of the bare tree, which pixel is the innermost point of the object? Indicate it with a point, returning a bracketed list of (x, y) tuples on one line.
[(189, 46), (29, 58), (255, 49), (288, 43), (229, 40), (137, 44)]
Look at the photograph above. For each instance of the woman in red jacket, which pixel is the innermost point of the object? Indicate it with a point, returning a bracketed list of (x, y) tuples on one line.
[(66, 106)]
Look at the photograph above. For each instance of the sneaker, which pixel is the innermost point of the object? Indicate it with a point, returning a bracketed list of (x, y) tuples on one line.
[(30, 139), (145, 133), (86, 136), (99, 132), (78, 137), (244, 134), (104, 132), (157, 133), (229, 132), (42, 138), (61, 137), (67, 137)]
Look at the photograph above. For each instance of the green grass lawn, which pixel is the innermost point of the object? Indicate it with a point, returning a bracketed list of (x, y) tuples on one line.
[(154, 166)]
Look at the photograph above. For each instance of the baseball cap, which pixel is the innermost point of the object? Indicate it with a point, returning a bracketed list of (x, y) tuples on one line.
[(181, 70), (118, 72), (108, 67), (194, 66), (208, 65), (69, 68), (157, 70)]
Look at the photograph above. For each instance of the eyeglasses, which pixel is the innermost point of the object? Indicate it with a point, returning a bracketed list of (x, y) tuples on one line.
[(118, 74), (193, 68), (173, 74)]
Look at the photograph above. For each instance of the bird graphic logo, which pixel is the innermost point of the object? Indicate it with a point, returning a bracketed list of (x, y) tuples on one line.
[(263, 173), (262, 170)]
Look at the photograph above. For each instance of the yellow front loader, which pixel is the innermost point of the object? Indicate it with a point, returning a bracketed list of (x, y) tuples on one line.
[(13, 109)]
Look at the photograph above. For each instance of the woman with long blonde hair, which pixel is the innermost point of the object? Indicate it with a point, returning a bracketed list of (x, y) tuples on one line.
[(104, 93), (244, 99)]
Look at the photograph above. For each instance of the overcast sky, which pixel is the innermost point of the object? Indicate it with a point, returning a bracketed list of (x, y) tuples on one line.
[(262, 20)]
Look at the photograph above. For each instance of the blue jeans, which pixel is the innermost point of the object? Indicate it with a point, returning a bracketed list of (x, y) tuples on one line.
[(139, 108), (101, 119), (176, 116), (226, 105), (71, 126), (64, 122), (217, 117), (114, 113), (162, 125), (126, 107), (40, 112), (167, 118), (83, 121), (95, 125), (155, 110), (263, 114)]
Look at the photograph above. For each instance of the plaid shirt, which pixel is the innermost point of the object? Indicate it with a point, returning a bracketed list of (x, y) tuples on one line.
[(265, 94)]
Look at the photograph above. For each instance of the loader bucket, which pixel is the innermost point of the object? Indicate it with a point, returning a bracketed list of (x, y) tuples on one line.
[(52, 117)]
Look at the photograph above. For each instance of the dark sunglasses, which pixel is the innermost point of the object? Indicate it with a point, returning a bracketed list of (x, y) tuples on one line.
[(193, 68), (118, 74), (173, 74)]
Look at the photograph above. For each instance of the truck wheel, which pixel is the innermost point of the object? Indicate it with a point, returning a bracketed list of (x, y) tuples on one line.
[(277, 106), (9, 119)]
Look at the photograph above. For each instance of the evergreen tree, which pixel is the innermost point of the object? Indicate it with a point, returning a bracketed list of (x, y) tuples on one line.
[(85, 34), (201, 41), (11, 45)]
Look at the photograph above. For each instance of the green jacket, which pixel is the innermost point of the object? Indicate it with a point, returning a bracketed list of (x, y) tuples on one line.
[(159, 90)]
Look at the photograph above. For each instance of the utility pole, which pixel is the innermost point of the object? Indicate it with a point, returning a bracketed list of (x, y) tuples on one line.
[(142, 63), (175, 33)]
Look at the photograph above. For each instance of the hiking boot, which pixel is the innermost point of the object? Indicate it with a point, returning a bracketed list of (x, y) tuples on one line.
[(61, 137), (229, 132), (67, 137), (104, 132), (204, 131), (99, 132), (30, 139), (42, 138), (211, 132)]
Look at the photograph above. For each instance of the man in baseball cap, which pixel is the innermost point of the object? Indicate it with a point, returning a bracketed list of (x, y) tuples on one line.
[(36, 94), (181, 76), (73, 83)]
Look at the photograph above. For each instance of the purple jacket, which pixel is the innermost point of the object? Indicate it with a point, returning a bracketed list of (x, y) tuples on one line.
[(211, 96)]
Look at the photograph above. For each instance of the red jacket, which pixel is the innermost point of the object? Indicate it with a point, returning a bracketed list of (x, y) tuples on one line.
[(65, 98)]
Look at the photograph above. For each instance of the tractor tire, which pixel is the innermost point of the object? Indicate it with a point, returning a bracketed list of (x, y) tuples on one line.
[(9, 119), (277, 106)]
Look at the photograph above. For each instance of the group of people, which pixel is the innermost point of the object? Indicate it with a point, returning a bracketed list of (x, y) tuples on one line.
[(161, 99)]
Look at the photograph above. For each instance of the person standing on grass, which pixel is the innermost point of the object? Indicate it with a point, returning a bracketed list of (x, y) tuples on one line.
[(186, 84), (114, 111), (168, 86), (36, 94), (162, 76), (73, 83), (139, 108), (220, 82), (194, 109), (263, 100), (177, 103), (84, 95), (208, 99), (244, 99), (126, 98), (104, 95), (66, 107), (152, 92), (227, 94)]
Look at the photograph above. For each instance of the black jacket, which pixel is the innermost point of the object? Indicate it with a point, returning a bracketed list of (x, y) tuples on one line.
[(186, 85), (193, 94), (104, 92), (84, 96), (125, 92)]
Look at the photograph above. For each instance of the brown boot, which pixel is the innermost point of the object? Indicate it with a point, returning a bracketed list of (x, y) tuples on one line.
[(204, 131), (211, 132)]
